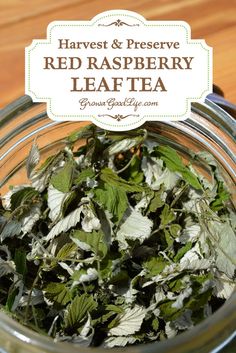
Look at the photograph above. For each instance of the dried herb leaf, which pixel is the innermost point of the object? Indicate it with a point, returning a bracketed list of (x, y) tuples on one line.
[(79, 308), (111, 178), (116, 242), (129, 322), (174, 163), (113, 199), (63, 179), (90, 242), (58, 293), (33, 159), (65, 224)]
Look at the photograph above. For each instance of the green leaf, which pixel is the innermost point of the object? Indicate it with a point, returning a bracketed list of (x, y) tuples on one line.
[(112, 199), (93, 241), (155, 324), (111, 178), (120, 135), (58, 293), (20, 261), (50, 162), (78, 273), (154, 266), (106, 268), (40, 177), (62, 180), (198, 281), (23, 196), (114, 308), (176, 284), (84, 174), (124, 145), (175, 230), (168, 312), (121, 278), (66, 251), (221, 197), (199, 300), (167, 216), (134, 173), (175, 164), (78, 310), (11, 298), (168, 238), (86, 132), (182, 251), (156, 201)]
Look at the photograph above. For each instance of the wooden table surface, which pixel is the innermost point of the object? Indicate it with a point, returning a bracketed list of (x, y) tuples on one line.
[(22, 20)]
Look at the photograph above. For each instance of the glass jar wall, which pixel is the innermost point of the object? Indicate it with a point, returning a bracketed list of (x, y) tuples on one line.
[(208, 128)]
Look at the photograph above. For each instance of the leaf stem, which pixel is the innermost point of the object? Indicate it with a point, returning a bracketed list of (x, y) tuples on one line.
[(30, 294), (179, 195), (126, 166)]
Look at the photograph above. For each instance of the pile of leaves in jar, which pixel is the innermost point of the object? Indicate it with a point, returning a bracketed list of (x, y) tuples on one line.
[(117, 242)]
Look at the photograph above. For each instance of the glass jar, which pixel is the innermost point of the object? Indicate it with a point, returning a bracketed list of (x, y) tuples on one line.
[(208, 128)]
